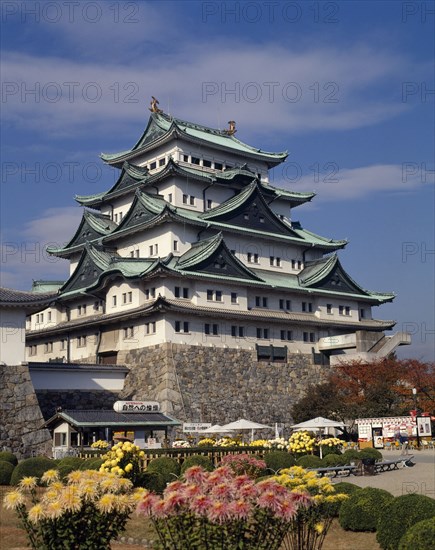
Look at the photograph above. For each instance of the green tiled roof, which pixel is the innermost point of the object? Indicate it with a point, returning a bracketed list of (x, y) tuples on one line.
[(162, 127)]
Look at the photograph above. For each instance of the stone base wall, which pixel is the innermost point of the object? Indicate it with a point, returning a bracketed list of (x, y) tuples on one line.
[(20, 416), (218, 385), (50, 400)]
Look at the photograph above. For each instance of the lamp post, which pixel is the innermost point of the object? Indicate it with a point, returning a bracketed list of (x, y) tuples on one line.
[(414, 393)]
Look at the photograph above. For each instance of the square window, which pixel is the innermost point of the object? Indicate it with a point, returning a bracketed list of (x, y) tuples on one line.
[(347, 310), (195, 160), (153, 166), (259, 332), (162, 162), (206, 163), (186, 326), (209, 294), (218, 166), (341, 310), (264, 302), (215, 330), (184, 199), (185, 293), (278, 262), (177, 292), (234, 299), (328, 308), (192, 200), (241, 332), (257, 301), (233, 331), (218, 295), (207, 328), (186, 158), (170, 197), (293, 264)]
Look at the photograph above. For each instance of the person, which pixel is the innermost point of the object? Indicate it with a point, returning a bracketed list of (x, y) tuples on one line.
[(404, 441)]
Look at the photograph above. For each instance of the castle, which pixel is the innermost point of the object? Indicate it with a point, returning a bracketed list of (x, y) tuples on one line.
[(192, 271)]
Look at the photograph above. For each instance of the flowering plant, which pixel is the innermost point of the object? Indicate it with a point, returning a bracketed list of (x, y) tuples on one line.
[(331, 442), (123, 459), (227, 442), (218, 510), (206, 442), (258, 443), (85, 513), (311, 525), (100, 444), (278, 443), (244, 464), (181, 444), (301, 442)]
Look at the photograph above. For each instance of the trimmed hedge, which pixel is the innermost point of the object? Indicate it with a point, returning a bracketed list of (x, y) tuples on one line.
[(91, 464), (278, 460), (9, 457), (401, 514), (309, 461), (197, 460), (361, 511), (152, 481), (370, 453), (331, 460), (420, 536), (67, 465), (346, 488), (167, 468), (31, 467), (349, 456), (6, 469)]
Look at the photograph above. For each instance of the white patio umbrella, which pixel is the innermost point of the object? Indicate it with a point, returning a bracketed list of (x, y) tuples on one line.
[(317, 424), (216, 429), (243, 424)]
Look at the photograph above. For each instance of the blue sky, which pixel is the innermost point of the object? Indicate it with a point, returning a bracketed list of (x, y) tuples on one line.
[(345, 87)]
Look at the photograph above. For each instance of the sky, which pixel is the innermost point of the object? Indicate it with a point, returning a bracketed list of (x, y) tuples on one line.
[(347, 87)]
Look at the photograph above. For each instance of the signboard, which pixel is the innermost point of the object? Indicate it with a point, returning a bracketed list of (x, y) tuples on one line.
[(136, 406), (195, 426)]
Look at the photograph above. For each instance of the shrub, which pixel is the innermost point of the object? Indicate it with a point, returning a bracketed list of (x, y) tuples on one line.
[(125, 460), (346, 488), (370, 453), (309, 461), (67, 465), (401, 514), (6, 469), (361, 511), (349, 456), (91, 464), (197, 460), (420, 536), (152, 481), (167, 468), (34, 467), (244, 464), (9, 457), (278, 460), (331, 460)]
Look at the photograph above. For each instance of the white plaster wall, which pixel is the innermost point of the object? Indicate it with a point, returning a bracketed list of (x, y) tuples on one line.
[(12, 327), (57, 379)]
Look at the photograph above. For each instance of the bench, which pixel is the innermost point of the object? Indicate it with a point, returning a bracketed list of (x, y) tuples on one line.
[(335, 470), (388, 465)]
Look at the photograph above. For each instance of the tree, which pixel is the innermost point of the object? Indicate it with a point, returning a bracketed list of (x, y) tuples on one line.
[(363, 390)]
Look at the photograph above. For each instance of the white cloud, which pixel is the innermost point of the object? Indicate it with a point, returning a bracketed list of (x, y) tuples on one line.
[(261, 86), (24, 256), (356, 183)]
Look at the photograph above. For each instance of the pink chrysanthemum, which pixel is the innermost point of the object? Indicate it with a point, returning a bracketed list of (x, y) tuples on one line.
[(174, 486), (248, 490), (159, 509), (302, 498), (269, 499), (173, 500), (146, 505), (191, 490), (241, 509), (194, 474), (222, 491), (200, 504), (288, 509), (242, 480), (218, 512)]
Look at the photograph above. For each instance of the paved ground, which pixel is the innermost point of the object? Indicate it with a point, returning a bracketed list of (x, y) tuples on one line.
[(418, 479)]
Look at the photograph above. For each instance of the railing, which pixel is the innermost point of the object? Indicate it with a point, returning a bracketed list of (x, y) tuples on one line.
[(215, 454)]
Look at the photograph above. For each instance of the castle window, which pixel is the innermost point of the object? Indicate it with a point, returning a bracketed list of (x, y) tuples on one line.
[(48, 347), (362, 313), (49, 316), (329, 308), (181, 292), (150, 293), (33, 350), (211, 329), (150, 328), (237, 331), (170, 197), (309, 337), (63, 344), (153, 166), (137, 253), (206, 163), (218, 166), (175, 245), (128, 332), (131, 253), (154, 249), (275, 261), (341, 310), (261, 301), (114, 301), (285, 304), (347, 310), (234, 298), (181, 326), (307, 307), (186, 158), (263, 333), (195, 160), (209, 204), (81, 341), (252, 258), (287, 335), (214, 295), (162, 162)]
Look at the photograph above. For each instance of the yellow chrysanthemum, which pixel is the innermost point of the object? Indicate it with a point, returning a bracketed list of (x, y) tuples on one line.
[(13, 500), (28, 483), (75, 476), (319, 527), (70, 498), (106, 503), (50, 476), (54, 509), (36, 513)]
